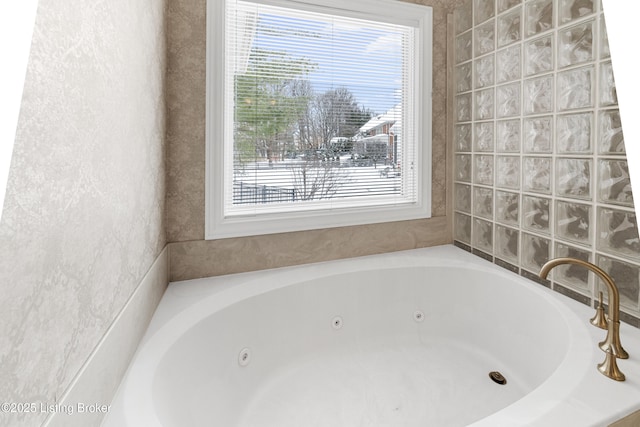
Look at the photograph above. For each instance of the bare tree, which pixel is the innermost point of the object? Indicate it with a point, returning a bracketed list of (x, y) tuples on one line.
[(337, 114), (303, 90), (315, 180)]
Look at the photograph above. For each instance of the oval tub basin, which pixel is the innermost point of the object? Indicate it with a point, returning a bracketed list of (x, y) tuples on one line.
[(401, 339)]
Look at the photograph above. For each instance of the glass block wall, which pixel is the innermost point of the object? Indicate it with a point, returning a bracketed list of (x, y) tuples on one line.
[(540, 168)]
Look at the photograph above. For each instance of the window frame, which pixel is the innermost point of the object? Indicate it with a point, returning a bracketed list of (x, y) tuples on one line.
[(392, 11)]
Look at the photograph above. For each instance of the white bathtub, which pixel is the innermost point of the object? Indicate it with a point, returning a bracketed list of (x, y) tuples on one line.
[(402, 339)]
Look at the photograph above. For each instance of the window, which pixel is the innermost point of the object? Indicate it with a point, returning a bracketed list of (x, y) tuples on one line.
[(318, 114)]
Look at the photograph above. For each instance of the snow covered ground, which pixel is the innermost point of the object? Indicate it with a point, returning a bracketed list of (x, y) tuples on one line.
[(340, 180)]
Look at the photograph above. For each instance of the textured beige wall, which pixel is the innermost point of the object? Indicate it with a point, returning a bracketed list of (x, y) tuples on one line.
[(190, 255), (84, 215)]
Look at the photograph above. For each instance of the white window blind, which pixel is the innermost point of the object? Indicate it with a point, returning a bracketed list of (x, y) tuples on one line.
[(323, 112)]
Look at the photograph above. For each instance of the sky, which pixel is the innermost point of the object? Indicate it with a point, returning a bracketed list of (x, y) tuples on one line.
[(369, 65)]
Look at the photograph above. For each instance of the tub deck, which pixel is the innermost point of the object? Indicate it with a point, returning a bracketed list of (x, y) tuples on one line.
[(408, 374)]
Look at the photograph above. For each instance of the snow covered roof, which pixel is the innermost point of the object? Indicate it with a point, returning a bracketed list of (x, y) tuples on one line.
[(391, 116)]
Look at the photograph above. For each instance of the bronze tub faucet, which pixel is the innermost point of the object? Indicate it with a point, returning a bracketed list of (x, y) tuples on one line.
[(611, 345)]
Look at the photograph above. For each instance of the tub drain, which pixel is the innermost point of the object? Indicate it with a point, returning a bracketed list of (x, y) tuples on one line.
[(497, 377)]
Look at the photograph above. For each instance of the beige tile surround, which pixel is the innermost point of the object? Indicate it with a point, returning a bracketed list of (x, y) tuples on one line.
[(190, 255), (632, 420), (202, 258)]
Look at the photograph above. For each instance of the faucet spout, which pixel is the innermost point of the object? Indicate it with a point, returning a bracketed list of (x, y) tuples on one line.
[(612, 290), (611, 345)]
